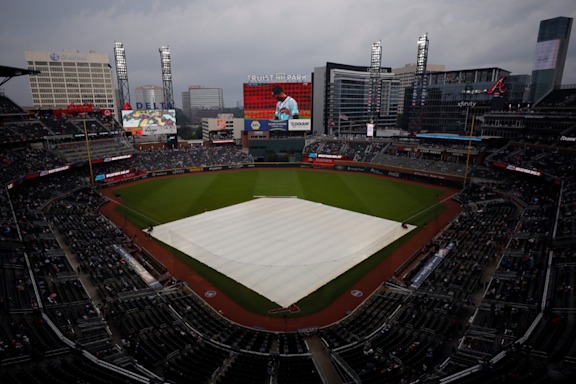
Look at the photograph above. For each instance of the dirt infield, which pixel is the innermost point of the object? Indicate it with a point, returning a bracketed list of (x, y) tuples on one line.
[(332, 313)]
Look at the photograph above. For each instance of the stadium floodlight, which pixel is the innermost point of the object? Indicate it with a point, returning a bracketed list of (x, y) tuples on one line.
[(422, 56), (166, 75), (121, 74), (376, 58), (374, 85), (420, 79)]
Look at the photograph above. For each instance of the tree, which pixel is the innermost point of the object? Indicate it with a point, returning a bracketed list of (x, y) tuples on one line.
[(187, 133), (181, 118)]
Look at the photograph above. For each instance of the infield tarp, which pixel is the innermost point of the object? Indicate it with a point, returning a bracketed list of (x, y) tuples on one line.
[(282, 248)]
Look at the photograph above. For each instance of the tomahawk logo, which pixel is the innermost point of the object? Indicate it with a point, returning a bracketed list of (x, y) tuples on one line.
[(292, 309), (500, 84)]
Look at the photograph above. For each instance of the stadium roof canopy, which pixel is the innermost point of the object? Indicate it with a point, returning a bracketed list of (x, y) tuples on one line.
[(10, 72), (281, 248)]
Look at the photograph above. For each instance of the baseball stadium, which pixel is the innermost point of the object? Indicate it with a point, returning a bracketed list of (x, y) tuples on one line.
[(267, 252)]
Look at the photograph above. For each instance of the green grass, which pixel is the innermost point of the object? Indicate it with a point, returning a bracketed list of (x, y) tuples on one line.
[(169, 199)]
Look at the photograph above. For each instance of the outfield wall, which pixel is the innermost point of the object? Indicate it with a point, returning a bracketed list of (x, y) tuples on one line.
[(344, 166)]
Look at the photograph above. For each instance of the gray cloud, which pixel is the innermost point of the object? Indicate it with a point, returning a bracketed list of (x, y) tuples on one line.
[(218, 43)]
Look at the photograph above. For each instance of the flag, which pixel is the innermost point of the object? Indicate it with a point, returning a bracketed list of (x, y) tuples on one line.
[(343, 117), (332, 123), (352, 122)]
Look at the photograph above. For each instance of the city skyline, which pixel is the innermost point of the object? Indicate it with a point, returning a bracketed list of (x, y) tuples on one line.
[(218, 45)]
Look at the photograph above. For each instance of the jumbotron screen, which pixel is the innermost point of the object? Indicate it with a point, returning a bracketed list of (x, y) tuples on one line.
[(260, 101), (149, 122), (546, 55)]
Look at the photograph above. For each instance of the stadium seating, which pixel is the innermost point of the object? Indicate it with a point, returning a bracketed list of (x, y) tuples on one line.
[(8, 107), (498, 306)]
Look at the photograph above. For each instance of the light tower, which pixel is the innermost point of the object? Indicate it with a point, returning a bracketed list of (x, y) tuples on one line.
[(420, 78), (121, 74), (167, 76), (374, 85)]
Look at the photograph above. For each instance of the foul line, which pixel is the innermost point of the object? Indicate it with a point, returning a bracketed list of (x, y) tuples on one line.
[(438, 203), (122, 205)]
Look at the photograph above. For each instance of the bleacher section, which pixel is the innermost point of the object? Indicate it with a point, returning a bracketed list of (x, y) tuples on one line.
[(8, 107), (558, 98), (419, 164), (498, 305), (99, 149)]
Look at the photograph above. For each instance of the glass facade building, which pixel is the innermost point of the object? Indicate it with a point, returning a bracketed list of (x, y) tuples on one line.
[(550, 56), (453, 97), (199, 103), (342, 90)]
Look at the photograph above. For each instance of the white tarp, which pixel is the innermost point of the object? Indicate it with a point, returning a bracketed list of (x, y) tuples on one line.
[(281, 248)]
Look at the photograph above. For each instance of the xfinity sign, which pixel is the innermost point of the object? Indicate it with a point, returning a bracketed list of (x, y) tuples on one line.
[(467, 104)]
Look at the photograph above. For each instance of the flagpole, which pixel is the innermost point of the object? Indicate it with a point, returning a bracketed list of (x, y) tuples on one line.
[(339, 119)]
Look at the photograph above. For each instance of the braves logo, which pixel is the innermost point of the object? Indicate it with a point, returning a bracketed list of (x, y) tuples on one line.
[(284, 111), (292, 309), (500, 84)]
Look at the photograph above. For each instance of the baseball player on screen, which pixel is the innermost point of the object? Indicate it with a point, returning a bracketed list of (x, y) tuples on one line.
[(287, 107)]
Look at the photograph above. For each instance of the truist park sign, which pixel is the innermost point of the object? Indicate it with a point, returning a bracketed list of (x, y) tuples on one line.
[(277, 78)]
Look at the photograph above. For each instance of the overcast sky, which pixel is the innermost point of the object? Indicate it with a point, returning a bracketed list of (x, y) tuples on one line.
[(217, 43)]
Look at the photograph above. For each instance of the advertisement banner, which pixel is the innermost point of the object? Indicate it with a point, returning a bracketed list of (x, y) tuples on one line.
[(138, 268), (116, 176), (299, 125), (430, 266), (340, 167), (220, 124), (281, 101), (277, 125), (370, 130), (158, 130), (318, 161), (255, 125), (54, 170)]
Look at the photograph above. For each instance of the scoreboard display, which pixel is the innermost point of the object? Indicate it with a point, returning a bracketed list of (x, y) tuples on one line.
[(260, 103)]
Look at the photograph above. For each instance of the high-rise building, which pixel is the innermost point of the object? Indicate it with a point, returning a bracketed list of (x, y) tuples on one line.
[(454, 97), (340, 99), (199, 102), (150, 97), (71, 77), (550, 56), (406, 76)]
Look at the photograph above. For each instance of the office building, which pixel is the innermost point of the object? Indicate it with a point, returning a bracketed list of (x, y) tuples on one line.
[(199, 102), (71, 77), (406, 76), (550, 56), (340, 90), (222, 129), (453, 97)]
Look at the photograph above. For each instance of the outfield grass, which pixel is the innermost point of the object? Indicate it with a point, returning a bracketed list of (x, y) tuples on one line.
[(168, 199)]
